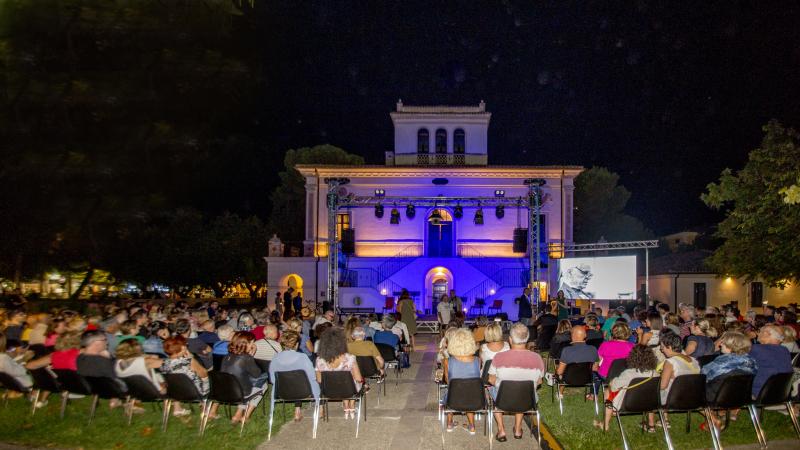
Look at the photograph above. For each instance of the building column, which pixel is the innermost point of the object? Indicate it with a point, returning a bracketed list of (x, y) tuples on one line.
[(311, 217), (569, 190)]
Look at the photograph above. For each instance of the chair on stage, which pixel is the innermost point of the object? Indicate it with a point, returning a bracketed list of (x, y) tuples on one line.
[(388, 305), (477, 307), (497, 307)]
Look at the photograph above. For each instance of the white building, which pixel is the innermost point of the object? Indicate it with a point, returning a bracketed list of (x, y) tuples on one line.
[(438, 151)]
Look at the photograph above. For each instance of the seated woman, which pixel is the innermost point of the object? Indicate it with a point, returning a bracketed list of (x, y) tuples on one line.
[(593, 328), (462, 363), (332, 356), (641, 364), (617, 348), (65, 356), (240, 363), (701, 341), (131, 361), (157, 333), (181, 361), (225, 333), (675, 364), (292, 359), (479, 333), (494, 342), (735, 359), (11, 367)]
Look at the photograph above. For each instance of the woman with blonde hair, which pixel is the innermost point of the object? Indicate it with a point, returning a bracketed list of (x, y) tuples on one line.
[(494, 342), (734, 360), (701, 341), (462, 363)]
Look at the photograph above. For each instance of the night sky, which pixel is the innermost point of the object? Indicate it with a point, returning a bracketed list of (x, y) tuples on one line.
[(667, 94)]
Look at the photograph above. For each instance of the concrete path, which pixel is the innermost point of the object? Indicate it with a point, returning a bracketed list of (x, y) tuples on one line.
[(405, 419)]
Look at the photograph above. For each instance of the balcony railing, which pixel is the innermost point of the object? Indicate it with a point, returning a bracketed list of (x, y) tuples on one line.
[(441, 159)]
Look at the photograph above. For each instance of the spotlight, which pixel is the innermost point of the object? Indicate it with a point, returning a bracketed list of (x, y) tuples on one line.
[(478, 217), (394, 218), (435, 218), (499, 193), (410, 211), (499, 211), (458, 212), (380, 193), (379, 211)]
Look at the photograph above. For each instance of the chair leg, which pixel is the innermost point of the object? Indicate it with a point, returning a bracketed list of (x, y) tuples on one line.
[(64, 400), (358, 416), (538, 428), (203, 414), (715, 438), (443, 419), (271, 414), (625, 444), (667, 437), (95, 399), (793, 416), (688, 421), (762, 439), (244, 420), (165, 414), (316, 419), (594, 395), (204, 422), (129, 409), (560, 400), (35, 401)]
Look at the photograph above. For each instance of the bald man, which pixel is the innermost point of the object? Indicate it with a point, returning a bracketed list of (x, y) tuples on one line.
[(577, 351)]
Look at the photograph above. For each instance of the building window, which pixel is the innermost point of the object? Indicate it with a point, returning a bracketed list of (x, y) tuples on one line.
[(423, 145), (459, 141), (441, 140), (756, 294), (342, 223), (700, 295)]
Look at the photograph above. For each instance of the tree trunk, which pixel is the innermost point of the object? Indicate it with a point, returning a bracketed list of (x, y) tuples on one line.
[(88, 278)]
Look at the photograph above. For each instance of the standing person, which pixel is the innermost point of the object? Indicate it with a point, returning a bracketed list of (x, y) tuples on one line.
[(444, 313), (455, 301), (297, 303), (525, 309), (277, 301), (408, 314), (287, 303), (563, 306)]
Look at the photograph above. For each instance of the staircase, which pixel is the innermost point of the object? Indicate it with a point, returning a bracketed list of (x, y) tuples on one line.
[(498, 277), (378, 277)]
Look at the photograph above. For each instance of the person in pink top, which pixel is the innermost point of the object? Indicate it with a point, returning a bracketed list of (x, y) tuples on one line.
[(617, 348)]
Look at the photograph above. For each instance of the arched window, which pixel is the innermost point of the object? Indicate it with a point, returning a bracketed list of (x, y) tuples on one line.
[(423, 145), (459, 141), (441, 140)]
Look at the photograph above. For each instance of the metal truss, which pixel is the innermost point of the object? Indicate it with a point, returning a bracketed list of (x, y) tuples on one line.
[(597, 246), (357, 201)]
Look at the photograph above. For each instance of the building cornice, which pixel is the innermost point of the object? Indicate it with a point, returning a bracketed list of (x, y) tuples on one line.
[(427, 171)]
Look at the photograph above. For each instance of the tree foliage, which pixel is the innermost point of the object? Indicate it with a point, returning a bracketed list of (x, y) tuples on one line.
[(600, 209), (761, 229), (289, 197)]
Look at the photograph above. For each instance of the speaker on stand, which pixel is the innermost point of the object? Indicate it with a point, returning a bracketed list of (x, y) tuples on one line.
[(349, 241), (520, 240)]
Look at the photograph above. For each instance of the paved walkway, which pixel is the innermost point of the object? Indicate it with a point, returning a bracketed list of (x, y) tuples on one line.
[(406, 418)]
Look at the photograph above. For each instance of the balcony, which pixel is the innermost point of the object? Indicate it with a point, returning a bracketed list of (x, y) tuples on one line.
[(440, 159)]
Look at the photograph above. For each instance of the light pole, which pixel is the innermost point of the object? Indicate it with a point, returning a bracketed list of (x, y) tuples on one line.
[(534, 209)]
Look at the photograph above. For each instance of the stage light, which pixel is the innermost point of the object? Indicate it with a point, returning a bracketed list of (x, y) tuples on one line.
[(394, 218), (458, 212), (478, 220), (499, 193), (410, 211), (383, 291), (491, 291), (435, 218), (499, 211), (380, 193), (379, 211)]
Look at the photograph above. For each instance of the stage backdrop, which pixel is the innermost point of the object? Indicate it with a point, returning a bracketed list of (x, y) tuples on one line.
[(600, 278)]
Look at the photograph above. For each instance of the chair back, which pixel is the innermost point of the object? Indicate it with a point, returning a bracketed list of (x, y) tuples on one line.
[(338, 384), (516, 396), (388, 303), (617, 367), (705, 359), (216, 362), (578, 374), (106, 387), (485, 372), (557, 347), (594, 342), (263, 364), (479, 302), (466, 394), (181, 388), (643, 395), (292, 385), (387, 352), (544, 336), (140, 388), (11, 383), (776, 390), (225, 388), (734, 392), (367, 366), (72, 382), (497, 304), (688, 392), (45, 380)]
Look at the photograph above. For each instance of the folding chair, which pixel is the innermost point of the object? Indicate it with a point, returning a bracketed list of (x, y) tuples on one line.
[(555, 353), (180, 388), (388, 305), (391, 362), (595, 342), (641, 399), (777, 390), (575, 375), (687, 394), (519, 397), (10, 383), (43, 380), (72, 383), (105, 388), (292, 386), (142, 389), (477, 307), (370, 372), (467, 395), (734, 393), (497, 307), (338, 386)]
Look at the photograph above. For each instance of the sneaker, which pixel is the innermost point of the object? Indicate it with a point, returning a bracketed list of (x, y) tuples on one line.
[(550, 379), (76, 396), (41, 404), (182, 413)]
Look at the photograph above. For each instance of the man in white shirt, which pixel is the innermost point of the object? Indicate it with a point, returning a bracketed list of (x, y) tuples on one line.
[(444, 311), (268, 347), (327, 317), (401, 330)]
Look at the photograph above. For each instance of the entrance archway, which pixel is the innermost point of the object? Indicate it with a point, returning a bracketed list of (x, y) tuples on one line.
[(294, 281), (438, 281)]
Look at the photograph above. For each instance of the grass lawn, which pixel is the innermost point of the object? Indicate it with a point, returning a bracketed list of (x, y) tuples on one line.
[(109, 429), (574, 429)]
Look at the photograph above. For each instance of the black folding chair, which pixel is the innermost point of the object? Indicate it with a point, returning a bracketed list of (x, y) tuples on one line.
[(43, 381), (594, 342), (225, 390), (617, 367), (703, 360), (485, 372), (688, 394), (642, 396), (370, 372), (777, 390), (180, 388), (467, 395), (734, 393), (72, 383), (575, 375), (10, 383), (216, 361), (555, 353), (519, 397), (263, 365), (105, 388), (338, 386), (390, 360), (544, 336), (292, 386), (142, 389)]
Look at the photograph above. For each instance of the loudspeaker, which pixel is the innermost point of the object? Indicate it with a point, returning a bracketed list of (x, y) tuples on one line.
[(349, 241), (520, 240)]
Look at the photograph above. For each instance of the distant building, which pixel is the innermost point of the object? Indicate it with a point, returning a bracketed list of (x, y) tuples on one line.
[(676, 240), (438, 151)]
